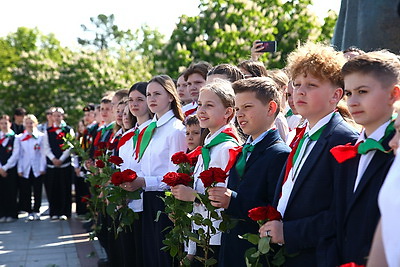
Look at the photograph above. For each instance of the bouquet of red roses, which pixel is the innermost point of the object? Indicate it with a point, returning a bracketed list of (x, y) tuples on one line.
[(178, 211), (261, 215)]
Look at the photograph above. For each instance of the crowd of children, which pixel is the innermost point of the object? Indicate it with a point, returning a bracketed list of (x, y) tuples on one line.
[(315, 140)]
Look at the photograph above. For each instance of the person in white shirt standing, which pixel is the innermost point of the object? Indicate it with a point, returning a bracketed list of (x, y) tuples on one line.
[(31, 167)]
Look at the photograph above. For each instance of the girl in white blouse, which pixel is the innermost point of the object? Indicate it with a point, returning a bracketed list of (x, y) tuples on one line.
[(215, 112), (163, 137), (31, 167)]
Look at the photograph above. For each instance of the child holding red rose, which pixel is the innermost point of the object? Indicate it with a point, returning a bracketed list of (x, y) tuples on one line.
[(304, 194), (253, 180), (215, 112)]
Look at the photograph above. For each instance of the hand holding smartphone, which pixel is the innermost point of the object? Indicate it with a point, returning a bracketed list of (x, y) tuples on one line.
[(267, 46)]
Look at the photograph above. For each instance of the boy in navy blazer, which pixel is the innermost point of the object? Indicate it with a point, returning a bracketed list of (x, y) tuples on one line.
[(252, 180), (304, 194), (371, 87)]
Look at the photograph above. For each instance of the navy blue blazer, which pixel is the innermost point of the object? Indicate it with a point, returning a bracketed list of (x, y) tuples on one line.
[(255, 188), (357, 213), (309, 216)]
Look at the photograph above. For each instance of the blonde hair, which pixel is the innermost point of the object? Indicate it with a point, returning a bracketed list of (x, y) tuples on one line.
[(32, 118)]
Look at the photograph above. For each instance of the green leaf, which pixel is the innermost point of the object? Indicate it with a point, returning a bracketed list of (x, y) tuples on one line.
[(263, 245), (252, 238), (210, 262)]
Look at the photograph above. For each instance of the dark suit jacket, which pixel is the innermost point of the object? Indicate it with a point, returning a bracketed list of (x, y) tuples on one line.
[(309, 216), (255, 188), (357, 213)]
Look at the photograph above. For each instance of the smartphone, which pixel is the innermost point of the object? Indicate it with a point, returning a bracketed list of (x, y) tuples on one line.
[(268, 46)]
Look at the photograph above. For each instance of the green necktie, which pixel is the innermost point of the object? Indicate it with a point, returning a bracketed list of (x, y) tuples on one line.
[(205, 150), (371, 144), (314, 137), (148, 133), (289, 113), (241, 162), (105, 129), (135, 137)]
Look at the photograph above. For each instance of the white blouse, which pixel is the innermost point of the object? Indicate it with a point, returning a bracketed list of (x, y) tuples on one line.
[(389, 205), (31, 155), (168, 138)]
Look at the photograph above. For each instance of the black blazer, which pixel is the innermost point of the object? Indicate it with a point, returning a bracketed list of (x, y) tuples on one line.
[(309, 216), (357, 213), (255, 188)]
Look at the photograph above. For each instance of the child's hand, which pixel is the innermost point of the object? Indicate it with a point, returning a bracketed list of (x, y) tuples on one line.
[(134, 185), (220, 196), (183, 193), (273, 229), (254, 50)]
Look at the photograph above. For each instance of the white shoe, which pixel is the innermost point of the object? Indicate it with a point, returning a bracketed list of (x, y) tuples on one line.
[(30, 217), (2, 219), (63, 218), (36, 216)]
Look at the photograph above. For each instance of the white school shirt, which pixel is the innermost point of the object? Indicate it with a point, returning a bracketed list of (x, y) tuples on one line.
[(127, 153), (282, 125), (366, 158), (31, 155), (47, 149), (168, 138), (12, 161), (219, 157), (389, 205), (305, 150)]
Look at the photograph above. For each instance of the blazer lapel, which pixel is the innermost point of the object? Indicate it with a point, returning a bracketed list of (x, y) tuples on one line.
[(314, 156)]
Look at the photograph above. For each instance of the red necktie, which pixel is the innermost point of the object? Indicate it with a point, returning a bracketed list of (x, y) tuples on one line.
[(2, 140), (344, 152), (27, 137), (125, 139), (294, 145)]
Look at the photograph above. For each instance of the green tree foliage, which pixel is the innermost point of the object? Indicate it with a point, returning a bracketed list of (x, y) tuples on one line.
[(224, 30)]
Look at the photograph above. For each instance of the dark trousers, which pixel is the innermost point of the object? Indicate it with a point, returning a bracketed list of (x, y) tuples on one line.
[(153, 233), (8, 194), (25, 192), (59, 183), (81, 194)]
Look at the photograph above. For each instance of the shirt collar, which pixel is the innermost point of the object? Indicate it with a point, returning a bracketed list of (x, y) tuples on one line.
[(211, 137), (258, 139), (319, 124), (143, 125), (376, 135), (164, 118)]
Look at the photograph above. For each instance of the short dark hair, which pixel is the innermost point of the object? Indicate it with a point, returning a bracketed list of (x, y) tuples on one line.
[(19, 112), (255, 68), (88, 107), (201, 68), (191, 120), (233, 73), (265, 88)]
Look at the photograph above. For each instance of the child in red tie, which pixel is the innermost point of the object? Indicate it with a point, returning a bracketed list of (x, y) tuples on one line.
[(305, 190)]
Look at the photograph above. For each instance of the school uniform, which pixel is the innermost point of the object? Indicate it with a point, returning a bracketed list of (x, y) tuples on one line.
[(9, 153), (59, 179), (130, 241), (31, 165), (357, 212), (219, 158), (305, 197), (255, 188), (167, 139)]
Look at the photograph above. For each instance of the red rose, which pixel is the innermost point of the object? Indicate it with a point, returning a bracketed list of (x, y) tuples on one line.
[(116, 160), (213, 175), (85, 198), (100, 164), (102, 145), (351, 264), (267, 213), (60, 135), (169, 178), (180, 157), (174, 178), (193, 160), (207, 177), (112, 145), (219, 175), (117, 178), (97, 153), (128, 175)]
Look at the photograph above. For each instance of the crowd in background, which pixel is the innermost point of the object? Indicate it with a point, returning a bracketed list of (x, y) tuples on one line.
[(292, 124)]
